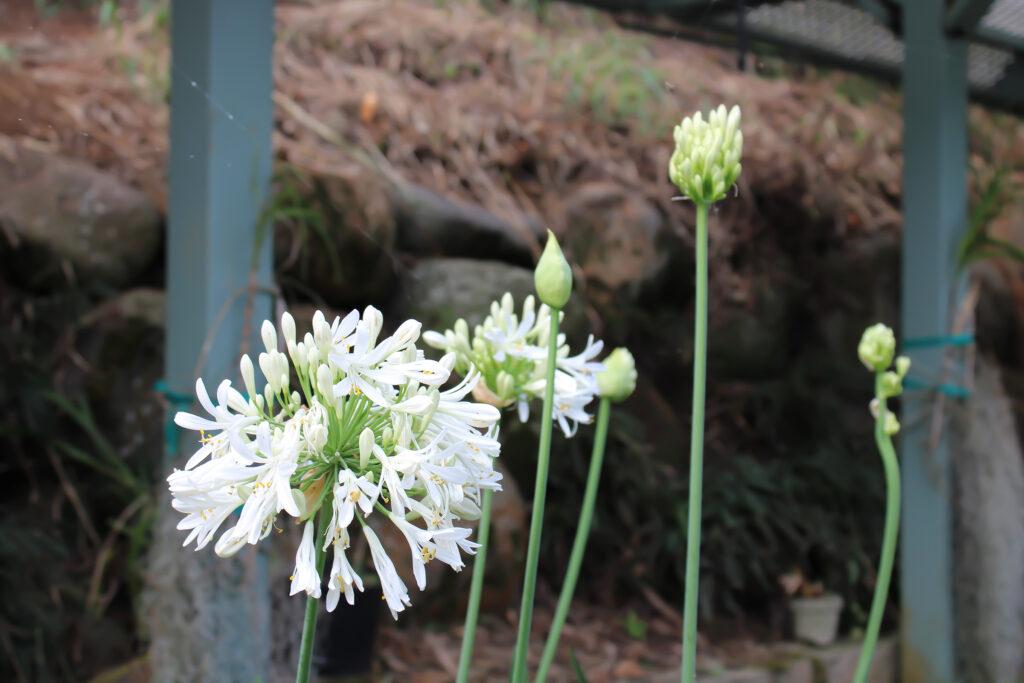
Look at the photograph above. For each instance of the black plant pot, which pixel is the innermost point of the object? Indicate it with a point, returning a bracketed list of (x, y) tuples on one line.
[(347, 637)]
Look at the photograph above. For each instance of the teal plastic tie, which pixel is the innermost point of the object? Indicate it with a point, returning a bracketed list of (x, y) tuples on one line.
[(948, 389), (178, 401), (962, 339), (934, 341)]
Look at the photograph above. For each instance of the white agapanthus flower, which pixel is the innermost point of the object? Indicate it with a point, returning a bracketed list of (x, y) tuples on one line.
[(348, 424), (509, 351)]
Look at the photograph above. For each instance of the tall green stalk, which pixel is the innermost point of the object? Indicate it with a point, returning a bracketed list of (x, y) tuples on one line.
[(693, 518), (579, 545), (312, 604), (476, 588), (519, 666), (892, 523)]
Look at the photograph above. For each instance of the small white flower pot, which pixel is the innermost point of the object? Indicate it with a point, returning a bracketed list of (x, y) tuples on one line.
[(816, 620)]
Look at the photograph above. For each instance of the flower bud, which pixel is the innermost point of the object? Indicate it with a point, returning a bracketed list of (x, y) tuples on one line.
[(902, 366), (248, 375), (877, 347), (269, 335), (504, 384), (268, 370), (365, 448), (288, 329), (890, 384), (706, 160), (553, 276), (462, 329), (324, 381), (892, 425), (374, 321), (316, 436), (618, 379)]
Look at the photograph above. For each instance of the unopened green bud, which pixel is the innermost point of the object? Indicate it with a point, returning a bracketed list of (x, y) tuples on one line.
[(890, 385), (504, 385), (553, 276), (902, 366), (877, 347), (618, 379), (892, 425), (706, 161)]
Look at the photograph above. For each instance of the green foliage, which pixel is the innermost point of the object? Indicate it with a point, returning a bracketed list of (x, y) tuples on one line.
[(7, 53), (859, 90), (820, 510), (612, 78), (76, 512), (636, 628), (296, 207), (577, 669), (977, 244)]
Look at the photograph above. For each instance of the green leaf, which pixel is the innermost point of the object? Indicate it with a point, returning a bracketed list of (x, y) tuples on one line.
[(636, 628), (576, 668)]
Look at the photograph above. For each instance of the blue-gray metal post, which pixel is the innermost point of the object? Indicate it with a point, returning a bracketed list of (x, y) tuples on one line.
[(219, 178), (935, 213)]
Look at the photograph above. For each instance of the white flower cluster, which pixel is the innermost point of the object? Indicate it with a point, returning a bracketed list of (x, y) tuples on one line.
[(367, 429), (510, 351)]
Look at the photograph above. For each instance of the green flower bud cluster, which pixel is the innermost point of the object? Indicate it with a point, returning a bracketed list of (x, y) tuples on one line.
[(706, 161), (618, 380), (877, 347), (876, 351)]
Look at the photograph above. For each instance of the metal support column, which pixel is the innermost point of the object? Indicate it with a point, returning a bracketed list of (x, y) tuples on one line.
[(219, 178), (935, 213)]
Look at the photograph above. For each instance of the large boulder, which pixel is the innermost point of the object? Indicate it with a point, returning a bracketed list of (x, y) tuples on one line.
[(120, 344), (618, 238), (853, 285), (431, 224), (64, 222), (750, 340), (438, 291)]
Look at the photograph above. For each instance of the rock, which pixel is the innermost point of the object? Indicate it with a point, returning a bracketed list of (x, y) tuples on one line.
[(618, 238), (64, 222), (856, 284), (509, 531), (438, 291), (430, 224), (121, 343), (751, 340), (999, 322), (795, 671), (750, 675), (990, 534), (837, 663), (340, 248)]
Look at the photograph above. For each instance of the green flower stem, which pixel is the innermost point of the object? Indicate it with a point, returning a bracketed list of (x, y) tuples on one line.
[(312, 604), (892, 526), (579, 545), (693, 518), (519, 666), (476, 587)]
